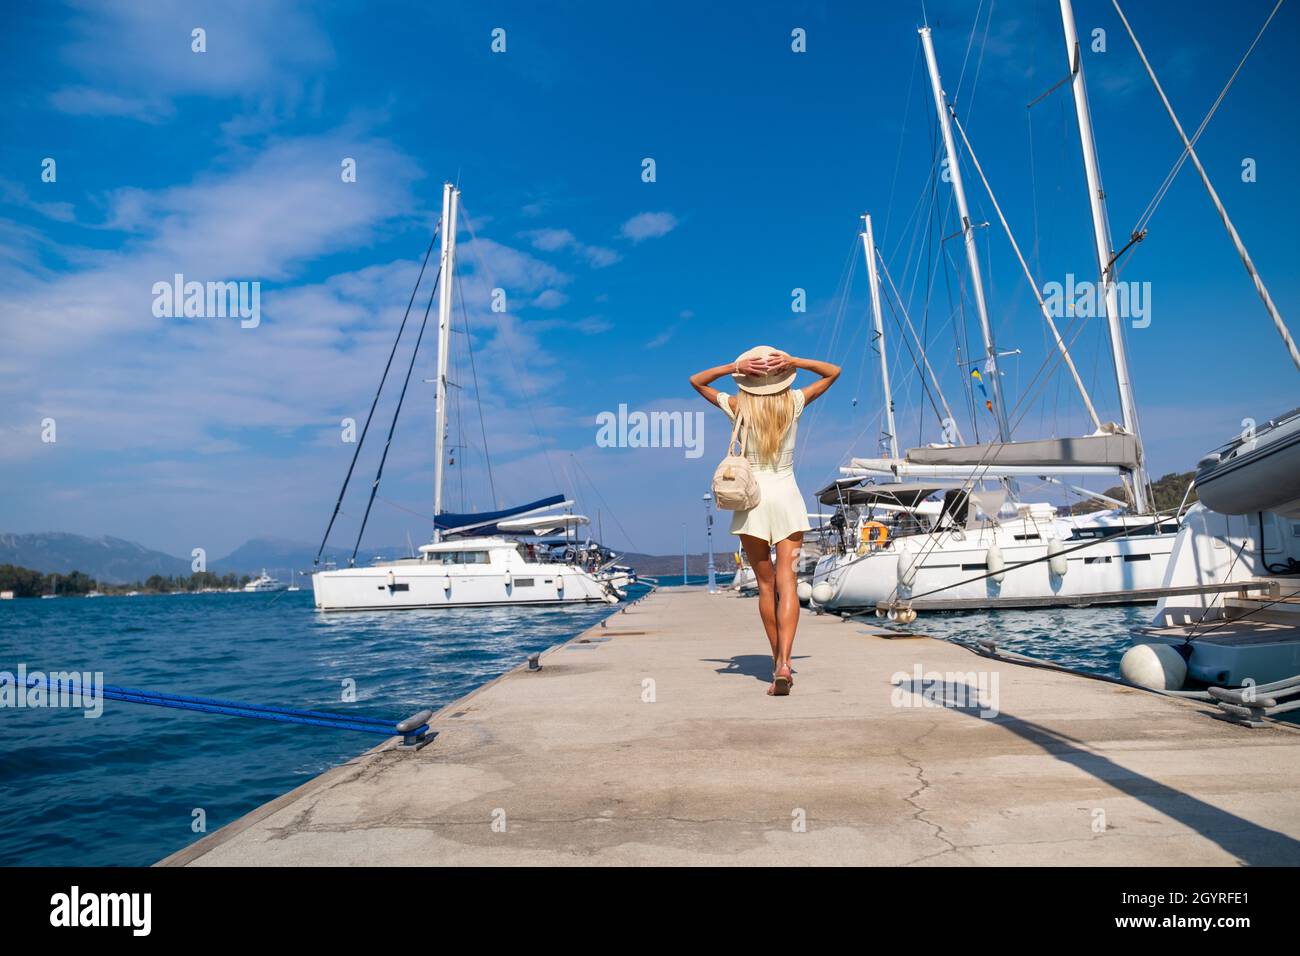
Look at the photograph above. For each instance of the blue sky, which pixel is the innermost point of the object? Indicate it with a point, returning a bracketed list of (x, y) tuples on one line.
[(224, 165)]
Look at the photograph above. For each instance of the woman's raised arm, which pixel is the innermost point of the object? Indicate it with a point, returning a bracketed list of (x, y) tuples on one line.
[(779, 362), (700, 380)]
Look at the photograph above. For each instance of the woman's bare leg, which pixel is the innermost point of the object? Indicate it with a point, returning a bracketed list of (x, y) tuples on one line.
[(760, 559), (787, 599)]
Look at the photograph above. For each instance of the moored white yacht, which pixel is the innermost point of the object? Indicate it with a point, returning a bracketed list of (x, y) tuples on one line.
[(473, 561), (983, 548), (265, 582), (458, 572)]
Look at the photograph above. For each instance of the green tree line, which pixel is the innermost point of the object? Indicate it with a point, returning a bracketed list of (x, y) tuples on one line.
[(25, 582), (1167, 494)]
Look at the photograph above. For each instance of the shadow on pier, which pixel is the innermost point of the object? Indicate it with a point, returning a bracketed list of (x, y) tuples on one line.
[(757, 666), (1249, 842)]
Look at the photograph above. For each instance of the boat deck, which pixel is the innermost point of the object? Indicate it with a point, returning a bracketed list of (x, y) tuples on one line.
[(651, 741)]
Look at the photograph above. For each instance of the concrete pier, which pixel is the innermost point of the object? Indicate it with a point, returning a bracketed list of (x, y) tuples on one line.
[(651, 741)]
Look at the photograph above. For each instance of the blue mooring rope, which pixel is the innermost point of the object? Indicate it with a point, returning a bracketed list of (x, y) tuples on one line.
[(233, 708)]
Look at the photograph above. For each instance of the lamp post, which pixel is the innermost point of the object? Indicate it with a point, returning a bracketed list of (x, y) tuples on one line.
[(684, 578), (713, 571)]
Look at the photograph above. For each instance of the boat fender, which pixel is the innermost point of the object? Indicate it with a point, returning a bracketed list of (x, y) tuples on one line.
[(446, 583), (907, 569), (559, 582), (995, 562), (804, 591), (905, 615), (1158, 666), (1056, 562), (823, 593), (509, 580)]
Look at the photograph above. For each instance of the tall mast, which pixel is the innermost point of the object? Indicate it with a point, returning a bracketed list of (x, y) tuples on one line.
[(450, 204), (968, 233), (1105, 252), (878, 326)]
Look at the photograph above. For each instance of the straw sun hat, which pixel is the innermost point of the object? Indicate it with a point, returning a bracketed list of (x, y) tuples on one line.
[(762, 384)]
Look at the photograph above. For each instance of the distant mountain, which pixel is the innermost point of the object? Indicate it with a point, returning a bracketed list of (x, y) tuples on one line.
[(114, 561), (111, 560), (280, 557)]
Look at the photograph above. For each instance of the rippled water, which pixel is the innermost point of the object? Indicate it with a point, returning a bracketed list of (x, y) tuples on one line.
[(1090, 639), (123, 788)]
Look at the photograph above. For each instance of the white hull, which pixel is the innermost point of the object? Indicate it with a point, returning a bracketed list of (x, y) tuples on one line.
[(949, 571), (264, 584), (1235, 635), (420, 584)]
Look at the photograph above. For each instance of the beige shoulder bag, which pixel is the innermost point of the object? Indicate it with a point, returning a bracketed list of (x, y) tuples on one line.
[(734, 486)]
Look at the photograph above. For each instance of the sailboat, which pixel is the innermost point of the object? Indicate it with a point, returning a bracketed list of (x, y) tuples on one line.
[(1230, 618), (472, 560), (980, 547)]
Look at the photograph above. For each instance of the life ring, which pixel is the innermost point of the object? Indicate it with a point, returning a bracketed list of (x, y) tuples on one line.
[(874, 540)]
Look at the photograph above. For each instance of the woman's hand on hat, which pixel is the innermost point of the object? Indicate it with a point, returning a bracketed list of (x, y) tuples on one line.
[(755, 368), (778, 363)]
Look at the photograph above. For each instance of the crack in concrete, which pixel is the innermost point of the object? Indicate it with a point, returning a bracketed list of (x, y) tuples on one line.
[(919, 812)]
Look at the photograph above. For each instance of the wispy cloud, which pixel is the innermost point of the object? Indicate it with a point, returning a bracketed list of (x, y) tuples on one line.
[(648, 225), (556, 240), (90, 101), (667, 332), (137, 57)]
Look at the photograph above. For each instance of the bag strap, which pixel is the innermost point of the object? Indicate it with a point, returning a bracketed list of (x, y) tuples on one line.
[(735, 429)]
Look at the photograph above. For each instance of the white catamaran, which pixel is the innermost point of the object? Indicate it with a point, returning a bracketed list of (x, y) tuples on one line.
[(472, 561), (900, 552)]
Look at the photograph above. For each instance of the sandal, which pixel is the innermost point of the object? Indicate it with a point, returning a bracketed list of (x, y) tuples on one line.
[(782, 684)]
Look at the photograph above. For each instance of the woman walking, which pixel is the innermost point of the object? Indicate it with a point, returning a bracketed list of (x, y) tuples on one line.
[(769, 410)]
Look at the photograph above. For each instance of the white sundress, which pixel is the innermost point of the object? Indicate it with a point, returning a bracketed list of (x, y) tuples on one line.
[(780, 511)]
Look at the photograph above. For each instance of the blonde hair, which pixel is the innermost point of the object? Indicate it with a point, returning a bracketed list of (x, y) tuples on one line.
[(767, 417)]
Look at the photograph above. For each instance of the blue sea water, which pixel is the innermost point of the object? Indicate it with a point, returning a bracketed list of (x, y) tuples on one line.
[(1090, 639), (124, 788)]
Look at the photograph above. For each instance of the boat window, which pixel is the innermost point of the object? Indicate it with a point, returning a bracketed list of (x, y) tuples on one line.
[(464, 557)]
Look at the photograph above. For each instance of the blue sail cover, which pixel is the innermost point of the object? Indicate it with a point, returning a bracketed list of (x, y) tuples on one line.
[(447, 521)]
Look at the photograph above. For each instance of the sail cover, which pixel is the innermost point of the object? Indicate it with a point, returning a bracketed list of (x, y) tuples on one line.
[(908, 495), (449, 521), (1118, 451)]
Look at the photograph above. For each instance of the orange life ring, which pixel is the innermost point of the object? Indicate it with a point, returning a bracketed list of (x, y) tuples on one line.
[(874, 540)]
